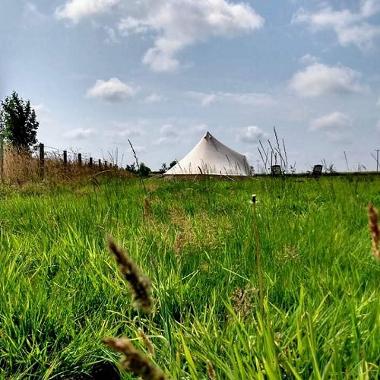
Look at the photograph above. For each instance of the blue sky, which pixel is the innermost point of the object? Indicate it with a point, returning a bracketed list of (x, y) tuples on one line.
[(162, 72)]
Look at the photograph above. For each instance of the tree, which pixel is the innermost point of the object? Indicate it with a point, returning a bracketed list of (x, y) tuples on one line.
[(164, 168), (18, 122), (144, 170), (131, 168)]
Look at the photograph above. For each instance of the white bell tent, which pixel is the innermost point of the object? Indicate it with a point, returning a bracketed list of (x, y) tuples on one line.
[(211, 157)]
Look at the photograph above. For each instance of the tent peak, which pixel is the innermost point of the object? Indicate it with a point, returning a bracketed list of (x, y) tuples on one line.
[(211, 157)]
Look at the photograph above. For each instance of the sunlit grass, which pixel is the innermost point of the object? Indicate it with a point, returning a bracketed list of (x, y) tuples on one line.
[(60, 291)]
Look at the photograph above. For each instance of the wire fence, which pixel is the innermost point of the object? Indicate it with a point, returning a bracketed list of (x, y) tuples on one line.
[(44, 162)]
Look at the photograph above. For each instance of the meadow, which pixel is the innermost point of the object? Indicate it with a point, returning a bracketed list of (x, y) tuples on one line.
[(198, 242)]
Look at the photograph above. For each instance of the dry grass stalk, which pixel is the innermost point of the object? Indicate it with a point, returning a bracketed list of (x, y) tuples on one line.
[(211, 374), (24, 167), (259, 266), (374, 230), (147, 208), (19, 166), (147, 342), (135, 361), (179, 243), (140, 285)]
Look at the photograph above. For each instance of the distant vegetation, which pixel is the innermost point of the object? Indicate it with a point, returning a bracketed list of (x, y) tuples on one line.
[(165, 167), (18, 122), (142, 169), (315, 314)]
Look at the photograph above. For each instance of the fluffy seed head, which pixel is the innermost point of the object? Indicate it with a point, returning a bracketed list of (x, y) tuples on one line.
[(133, 360), (147, 342), (374, 230), (139, 284), (211, 371)]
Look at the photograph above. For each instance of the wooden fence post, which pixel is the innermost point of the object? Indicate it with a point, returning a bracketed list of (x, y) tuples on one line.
[(100, 163), (79, 159), (105, 164), (65, 157), (90, 163), (42, 161)]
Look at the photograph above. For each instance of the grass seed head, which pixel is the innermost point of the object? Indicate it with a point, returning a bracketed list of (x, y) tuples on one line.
[(139, 284), (147, 342), (133, 360), (242, 301), (374, 230), (211, 371)]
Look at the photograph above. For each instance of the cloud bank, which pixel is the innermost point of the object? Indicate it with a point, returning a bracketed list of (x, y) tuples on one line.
[(174, 24), (350, 28), (318, 79), (331, 122)]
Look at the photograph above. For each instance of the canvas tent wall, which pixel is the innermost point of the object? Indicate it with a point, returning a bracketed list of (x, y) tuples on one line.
[(211, 157)]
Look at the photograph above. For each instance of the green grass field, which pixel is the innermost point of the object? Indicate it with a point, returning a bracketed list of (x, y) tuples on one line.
[(61, 292)]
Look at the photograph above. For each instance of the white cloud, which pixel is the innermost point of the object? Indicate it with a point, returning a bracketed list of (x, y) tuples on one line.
[(131, 25), (112, 90), (112, 37), (75, 10), (153, 98), (251, 134), (319, 79), (79, 133), (248, 98), (308, 59), (336, 126), (174, 24), (369, 7), (177, 24), (331, 122), (160, 61), (206, 99), (350, 27), (168, 135)]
